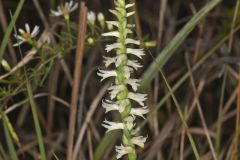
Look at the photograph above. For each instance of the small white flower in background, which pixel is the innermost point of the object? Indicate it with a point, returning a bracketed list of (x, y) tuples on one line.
[(26, 35), (65, 9), (101, 19), (91, 17), (122, 150)]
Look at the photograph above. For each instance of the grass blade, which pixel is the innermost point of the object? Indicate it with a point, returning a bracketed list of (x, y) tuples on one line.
[(11, 148), (10, 28), (170, 49), (36, 123)]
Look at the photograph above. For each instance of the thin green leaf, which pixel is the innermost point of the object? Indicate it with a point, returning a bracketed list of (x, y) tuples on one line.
[(10, 28), (170, 49)]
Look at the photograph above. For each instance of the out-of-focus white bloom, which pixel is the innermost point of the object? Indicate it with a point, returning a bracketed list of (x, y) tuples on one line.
[(129, 5), (65, 9), (112, 125), (134, 83), (139, 111), (140, 140), (137, 52), (138, 97), (115, 89), (112, 23), (122, 150), (106, 74), (91, 17), (130, 13), (101, 19), (26, 35)]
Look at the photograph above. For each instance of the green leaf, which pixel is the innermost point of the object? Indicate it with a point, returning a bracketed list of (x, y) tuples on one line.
[(10, 28), (170, 49)]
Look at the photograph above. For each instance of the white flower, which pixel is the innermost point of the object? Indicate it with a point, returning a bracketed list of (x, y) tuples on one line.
[(138, 97), (113, 23), (139, 111), (116, 33), (130, 13), (65, 9), (137, 52), (91, 17), (134, 64), (109, 106), (120, 59), (132, 41), (26, 35), (113, 34), (115, 106), (129, 122), (114, 90), (134, 83), (129, 5), (109, 60), (110, 47), (112, 125), (106, 74), (140, 140), (122, 150)]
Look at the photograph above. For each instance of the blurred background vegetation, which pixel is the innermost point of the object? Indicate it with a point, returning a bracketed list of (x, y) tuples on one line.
[(191, 75)]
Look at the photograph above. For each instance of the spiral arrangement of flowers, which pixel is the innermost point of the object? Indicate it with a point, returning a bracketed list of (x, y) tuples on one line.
[(123, 91)]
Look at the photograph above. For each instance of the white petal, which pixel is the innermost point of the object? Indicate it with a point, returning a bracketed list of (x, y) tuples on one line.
[(134, 64), (27, 28), (74, 7), (139, 111), (110, 47), (120, 59), (122, 150), (109, 106), (114, 23), (113, 12), (109, 60), (137, 52), (115, 89), (113, 33), (129, 5), (112, 125), (106, 74), (18, 43), (134, 83), (56, 13), (35, 31), (21, 31), (132, 41), (130, 13), (138, 97), (140, 140)]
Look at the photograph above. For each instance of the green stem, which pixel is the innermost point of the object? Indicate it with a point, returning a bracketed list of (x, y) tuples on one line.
[(36, 123)]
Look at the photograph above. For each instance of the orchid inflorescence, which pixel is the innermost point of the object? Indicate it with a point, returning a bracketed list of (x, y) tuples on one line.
[(123, 91)]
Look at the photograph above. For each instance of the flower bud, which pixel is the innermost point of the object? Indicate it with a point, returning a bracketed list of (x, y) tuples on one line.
[(101, 19)]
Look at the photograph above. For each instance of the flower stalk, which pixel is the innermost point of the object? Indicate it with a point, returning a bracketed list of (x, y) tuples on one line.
[(123, 91)]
